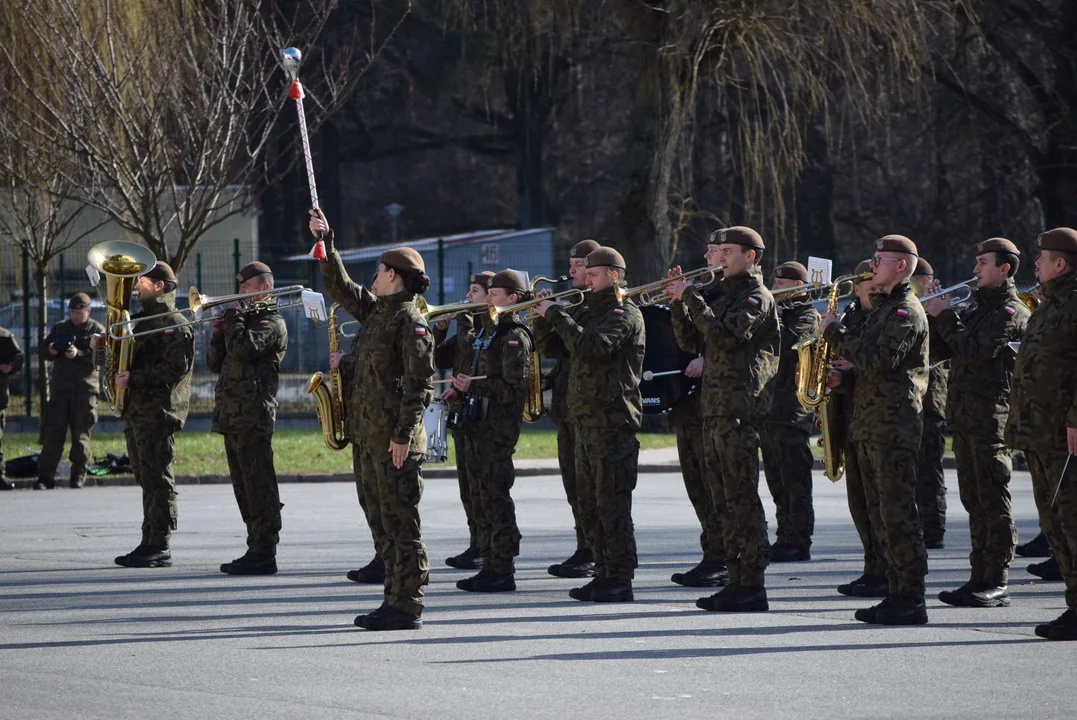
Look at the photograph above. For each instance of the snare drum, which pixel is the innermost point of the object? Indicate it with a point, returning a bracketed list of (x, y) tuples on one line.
[(436, 424)]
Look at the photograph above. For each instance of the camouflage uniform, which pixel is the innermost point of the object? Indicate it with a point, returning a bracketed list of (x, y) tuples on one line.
[(347, 377), (393, 371), (605, 345), (246, 353), (10, 354), (930, 478), (158, 396), (74, 384), (504, 356), (740, 333), (977, 408), (1043, 403), (457, 354), (687, 419), (787, 458), (889, 350)]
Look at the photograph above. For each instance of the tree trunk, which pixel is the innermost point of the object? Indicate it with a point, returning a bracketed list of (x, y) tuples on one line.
[(41, 280), (527, 89), (815, 202)]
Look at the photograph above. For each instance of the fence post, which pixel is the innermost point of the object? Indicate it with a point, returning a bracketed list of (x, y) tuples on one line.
[(235, 261), (28, 365), (63, 282), (441, 271), (198, 272)]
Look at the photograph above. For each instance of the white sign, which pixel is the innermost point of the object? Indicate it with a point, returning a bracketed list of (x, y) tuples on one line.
[(491, 254), (820, 270)]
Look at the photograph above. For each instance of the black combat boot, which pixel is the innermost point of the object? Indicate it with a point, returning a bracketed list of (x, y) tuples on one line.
[(470, 559), (959, 597), (741, 599), (1036, 547), (495, 583), (709, 573), (789, 553), (583, 594), (869, 614), (988, 595), (77, 482), (866, 586), (391, 619), (711, 601), (580, 565), (252, 563), (903, 610), (613, 590), (1046, 570), (45, 484), (5, 485), (146, 556), (361, 619), (373, 573), (934, 543), (1064, 628)]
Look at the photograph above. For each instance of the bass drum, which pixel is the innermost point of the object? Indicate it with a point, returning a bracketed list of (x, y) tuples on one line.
[(662, 354)]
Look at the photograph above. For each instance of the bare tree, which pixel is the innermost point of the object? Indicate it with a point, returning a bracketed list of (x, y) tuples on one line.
[(160, 112)]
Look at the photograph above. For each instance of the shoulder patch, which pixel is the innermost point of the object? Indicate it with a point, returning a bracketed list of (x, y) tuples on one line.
[(263, 323), (753, 301), (1009, 310), (901, 312), (805, 317), (618, 311), (514, 343), (170, 331), (420, 331)]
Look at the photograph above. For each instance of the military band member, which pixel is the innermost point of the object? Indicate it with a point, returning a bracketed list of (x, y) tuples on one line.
[(741, 335), (930, 478), (246, 350), (158, 384), (582, 562), (785, 436), (74, 383), (977, 406), (889, 352), (605, 346), (456, 354), (1043, 412), (492, 414), (688, 423), (392, 387), (11, 361)]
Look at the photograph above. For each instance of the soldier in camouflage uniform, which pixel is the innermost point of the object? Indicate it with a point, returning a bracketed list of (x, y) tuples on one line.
[(930, 478), (873, 582), (73, 387), (889, 352), (1043, 412), (158, 384), (246, 351), (582, 562), (688, 422), (605, 345), (787, 457), (977, 408), (492, 414), (392, 387), (741, 335), (11, 360), (456, 354)]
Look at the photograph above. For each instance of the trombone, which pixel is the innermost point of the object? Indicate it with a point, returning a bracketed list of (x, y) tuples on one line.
[(432, 311), (649, 293), (967, 286), (200, 303), (578, 295)]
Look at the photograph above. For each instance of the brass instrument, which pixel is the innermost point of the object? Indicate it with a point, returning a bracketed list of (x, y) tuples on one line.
[(122, 263), (544, 279), (497, 312), (647, 291), (432, 311), (330, 401), (966, 286), (534, 407), (1028, 297), (814, 357), (200, 303)]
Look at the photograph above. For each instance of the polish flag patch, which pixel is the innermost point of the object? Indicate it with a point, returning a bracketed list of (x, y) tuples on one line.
[(1009, 310), (618, 311), (420, 331), (514, 343), (263, 323), (169, 332), (753, 301), (901, 312), (805, 317)]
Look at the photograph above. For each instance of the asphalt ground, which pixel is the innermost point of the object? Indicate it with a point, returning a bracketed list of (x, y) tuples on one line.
[(83, 638)]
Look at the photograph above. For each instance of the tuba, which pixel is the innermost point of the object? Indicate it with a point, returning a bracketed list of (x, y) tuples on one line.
[(330, 400), (813, 364), (121, 263)]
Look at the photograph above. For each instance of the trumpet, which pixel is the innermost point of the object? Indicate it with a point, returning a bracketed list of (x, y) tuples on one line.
[(432, 311), (967, 286), (647, 293), (200, 303), (497, 312)]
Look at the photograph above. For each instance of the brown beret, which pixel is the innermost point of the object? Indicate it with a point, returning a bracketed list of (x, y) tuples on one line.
[(509, 280), (791, 271), (605, 257), (253, 270), (923, 268), (1062, 239), (162, 271), (997, 245), (896, 243), (864, 267), (583, 248), (482, 279), (79, 301), (737, 235), (403, 259)]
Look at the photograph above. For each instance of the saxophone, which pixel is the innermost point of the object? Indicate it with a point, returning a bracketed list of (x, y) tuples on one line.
[(330, 400), (814, 357)]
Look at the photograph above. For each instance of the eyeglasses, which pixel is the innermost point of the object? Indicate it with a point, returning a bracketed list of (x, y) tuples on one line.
[(877, 261)]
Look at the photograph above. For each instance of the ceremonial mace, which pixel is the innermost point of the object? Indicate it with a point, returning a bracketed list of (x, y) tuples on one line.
[(290, 58)]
